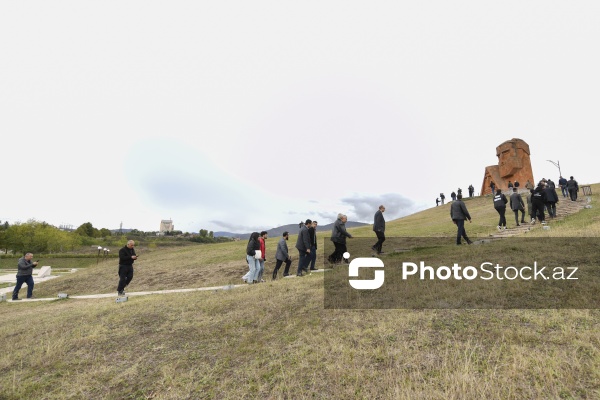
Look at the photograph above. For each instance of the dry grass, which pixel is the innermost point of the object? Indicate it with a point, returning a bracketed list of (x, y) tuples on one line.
[(276, 340)]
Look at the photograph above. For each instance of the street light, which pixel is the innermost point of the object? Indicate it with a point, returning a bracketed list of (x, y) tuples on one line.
[(557, 165), (98, 256)]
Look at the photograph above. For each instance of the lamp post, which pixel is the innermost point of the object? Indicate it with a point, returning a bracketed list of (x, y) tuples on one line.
[(557, 165), (98, 256)]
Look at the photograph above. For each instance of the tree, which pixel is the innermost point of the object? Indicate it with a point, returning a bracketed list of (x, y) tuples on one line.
[(105, 232), (211, 234), (203, 233), (85, 229)]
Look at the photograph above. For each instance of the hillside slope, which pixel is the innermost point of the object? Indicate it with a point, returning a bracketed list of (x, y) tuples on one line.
[(276, 340)]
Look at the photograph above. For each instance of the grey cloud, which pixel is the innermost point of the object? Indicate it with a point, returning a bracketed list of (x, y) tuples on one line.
[(235, 228), (364, 207)]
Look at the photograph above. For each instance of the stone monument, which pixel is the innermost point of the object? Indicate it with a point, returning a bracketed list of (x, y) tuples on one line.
[(514, 164)]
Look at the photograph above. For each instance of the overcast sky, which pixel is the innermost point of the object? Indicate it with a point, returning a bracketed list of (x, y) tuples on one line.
[(246, 115)]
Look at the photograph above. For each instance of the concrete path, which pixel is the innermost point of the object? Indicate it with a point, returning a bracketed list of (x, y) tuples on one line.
[(144, 293), (11, 278)]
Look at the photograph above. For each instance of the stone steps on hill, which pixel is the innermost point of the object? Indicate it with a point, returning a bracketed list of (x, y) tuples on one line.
[(564, 208)]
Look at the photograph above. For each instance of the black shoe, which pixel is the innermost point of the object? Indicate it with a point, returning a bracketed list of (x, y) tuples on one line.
[(15, 299), (284, 275), (299, 275), (381, 252), (469, 241), (373, 248), (314, 269)]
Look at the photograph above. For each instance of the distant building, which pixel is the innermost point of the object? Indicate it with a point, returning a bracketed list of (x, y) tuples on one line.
[(166, 225)]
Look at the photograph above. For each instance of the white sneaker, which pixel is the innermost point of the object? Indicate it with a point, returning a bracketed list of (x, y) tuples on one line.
[(504, 228), (499, 228)]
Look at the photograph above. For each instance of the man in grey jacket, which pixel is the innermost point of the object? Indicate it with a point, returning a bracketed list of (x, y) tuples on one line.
[(458, 213), (338, 237), (24, 275), (281, 255), (517, 204), (303, 246), (379, 229)]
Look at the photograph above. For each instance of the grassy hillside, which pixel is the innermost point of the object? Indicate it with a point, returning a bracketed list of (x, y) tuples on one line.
[(276, 340)]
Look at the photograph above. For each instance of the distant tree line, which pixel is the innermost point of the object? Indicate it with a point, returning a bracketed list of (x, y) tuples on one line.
[(41, 237)]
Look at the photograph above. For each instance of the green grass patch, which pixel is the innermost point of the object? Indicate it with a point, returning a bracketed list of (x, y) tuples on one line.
[(277, 341)]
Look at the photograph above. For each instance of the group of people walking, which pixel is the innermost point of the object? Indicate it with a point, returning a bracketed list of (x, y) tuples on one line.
[(306, 244), (542, 198), (454, 195), (307, 250)]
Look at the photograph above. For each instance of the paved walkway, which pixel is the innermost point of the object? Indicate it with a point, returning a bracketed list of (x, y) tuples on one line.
[(144, 293)]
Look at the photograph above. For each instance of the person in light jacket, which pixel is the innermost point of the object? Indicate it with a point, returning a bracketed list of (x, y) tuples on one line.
[(253, 262)]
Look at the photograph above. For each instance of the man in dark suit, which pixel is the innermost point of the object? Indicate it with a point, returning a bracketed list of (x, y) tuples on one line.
[(303, 246), (379, 229)]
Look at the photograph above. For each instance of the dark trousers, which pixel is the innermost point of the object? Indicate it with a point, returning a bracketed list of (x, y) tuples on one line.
[(125, 275), (286, 271), (564, 190), (551, 207), (28, 279), (313, 257), (517, 215), (573, 194), (337, 255), (460, 224), (380, 240), (537, 209), (502, 211), (303, 261)]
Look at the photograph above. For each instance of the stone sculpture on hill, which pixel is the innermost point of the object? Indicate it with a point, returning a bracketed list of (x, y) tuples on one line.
[(514, 164)]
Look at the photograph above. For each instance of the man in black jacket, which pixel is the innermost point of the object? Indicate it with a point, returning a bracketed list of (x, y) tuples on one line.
[(538, 202), (500, 206), (573, 188), (24, 275), (126, 258), (303, 246), (379, 229), (312, 231), (458, 213)]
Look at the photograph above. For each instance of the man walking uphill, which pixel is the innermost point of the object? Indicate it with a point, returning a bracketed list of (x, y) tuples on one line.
[(379, 229), (458, 213), (303, 246), (126, 258), (24, 272)]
